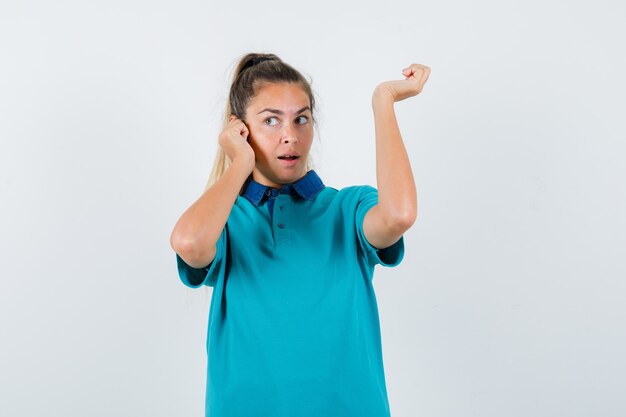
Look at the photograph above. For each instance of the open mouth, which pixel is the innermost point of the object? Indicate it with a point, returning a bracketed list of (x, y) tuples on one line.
[(289, 157)]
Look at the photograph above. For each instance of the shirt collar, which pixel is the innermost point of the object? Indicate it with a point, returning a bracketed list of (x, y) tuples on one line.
[(307, 187)]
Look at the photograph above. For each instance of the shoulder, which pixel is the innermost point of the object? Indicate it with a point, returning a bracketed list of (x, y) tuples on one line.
[(349, 192), (354, 194), (348, 199), (244, 210), (242, 203)]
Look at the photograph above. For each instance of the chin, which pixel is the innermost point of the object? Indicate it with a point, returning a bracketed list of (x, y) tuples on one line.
[(288, 176), (283, 175)]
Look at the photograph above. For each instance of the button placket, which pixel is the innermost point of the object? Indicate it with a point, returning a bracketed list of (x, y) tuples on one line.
[(271, 200), (281, 223)]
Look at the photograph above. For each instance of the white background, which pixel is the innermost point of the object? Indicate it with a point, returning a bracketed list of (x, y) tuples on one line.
[(510, 299)]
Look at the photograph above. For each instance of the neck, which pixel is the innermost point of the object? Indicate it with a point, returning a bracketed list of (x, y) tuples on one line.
[(274, 182)]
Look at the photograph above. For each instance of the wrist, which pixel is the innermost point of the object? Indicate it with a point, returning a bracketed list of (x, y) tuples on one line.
[(245, 161), (382, 98)]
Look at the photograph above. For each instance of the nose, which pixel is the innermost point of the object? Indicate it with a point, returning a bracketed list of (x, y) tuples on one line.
[(289, 134)]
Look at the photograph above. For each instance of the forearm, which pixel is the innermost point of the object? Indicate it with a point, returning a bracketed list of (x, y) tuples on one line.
[(397, 197), (198, 229)]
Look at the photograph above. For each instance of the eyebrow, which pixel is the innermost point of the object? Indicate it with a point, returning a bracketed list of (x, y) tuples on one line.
[(281, 113)]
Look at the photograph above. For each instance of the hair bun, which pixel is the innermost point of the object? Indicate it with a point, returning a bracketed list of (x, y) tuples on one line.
[(254, 61)]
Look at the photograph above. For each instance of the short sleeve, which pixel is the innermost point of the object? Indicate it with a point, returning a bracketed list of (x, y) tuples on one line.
[(196, 277), (389, 256)]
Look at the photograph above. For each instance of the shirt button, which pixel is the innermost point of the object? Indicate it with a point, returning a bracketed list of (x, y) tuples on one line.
[(280, 207), (280, 225), (268, 192)]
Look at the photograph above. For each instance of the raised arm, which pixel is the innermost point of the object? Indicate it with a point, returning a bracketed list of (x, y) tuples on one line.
[(195, 235), (396, 210)]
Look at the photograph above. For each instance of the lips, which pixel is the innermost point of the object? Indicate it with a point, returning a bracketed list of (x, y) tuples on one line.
[(289, 159), (289, 156)]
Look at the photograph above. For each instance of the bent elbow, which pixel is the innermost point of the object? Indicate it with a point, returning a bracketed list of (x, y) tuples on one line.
[(189, 253), (403, 221), (178, 243)]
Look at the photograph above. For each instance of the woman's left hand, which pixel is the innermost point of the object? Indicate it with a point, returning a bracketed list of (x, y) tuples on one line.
[(415, 78)]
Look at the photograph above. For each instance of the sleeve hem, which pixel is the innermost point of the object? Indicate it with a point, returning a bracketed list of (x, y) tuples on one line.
[(197, 277), (389, 256)]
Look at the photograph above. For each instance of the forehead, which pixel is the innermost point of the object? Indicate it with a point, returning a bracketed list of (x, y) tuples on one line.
[(289, 97)]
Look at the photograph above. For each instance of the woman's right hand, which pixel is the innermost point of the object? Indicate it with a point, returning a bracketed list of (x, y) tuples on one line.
[(234, 140)]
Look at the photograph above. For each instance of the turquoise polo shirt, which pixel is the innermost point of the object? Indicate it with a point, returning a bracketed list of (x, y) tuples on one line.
[(293, 327)]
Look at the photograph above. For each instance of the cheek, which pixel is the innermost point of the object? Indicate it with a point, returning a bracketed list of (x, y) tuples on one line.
[(309, 141), (260, 147), (254, 144), (259, 135)]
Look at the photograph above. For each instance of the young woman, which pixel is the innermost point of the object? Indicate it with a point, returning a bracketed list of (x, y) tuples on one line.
[(293, 322)]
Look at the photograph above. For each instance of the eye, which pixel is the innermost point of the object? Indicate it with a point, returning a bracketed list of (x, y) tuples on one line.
[(305, 118), (268, 119)]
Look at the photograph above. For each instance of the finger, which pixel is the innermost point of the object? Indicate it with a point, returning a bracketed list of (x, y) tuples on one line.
[(244, 129), (419, 72), (424, 76), (411, 71), (415, 67)]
